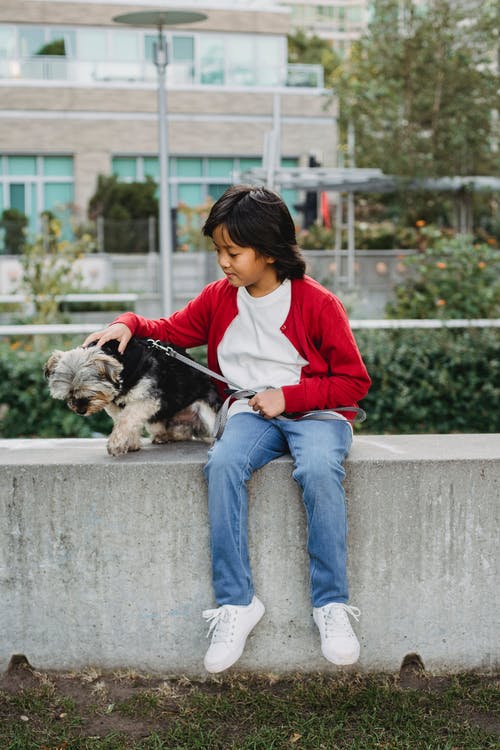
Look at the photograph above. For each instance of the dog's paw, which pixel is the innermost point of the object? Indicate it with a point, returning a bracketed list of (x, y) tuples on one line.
[(160, 439), (119, 447)]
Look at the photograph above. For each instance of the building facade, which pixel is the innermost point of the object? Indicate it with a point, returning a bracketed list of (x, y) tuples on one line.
[(78, 97), (339, 21)]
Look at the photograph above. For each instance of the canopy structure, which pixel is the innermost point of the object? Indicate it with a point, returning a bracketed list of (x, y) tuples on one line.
[(352, 179), (349, 180)]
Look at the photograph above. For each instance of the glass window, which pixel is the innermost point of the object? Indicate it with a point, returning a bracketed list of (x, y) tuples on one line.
[(290, 197), (250, 163), (56, 196), (58, 166), (7, 41), (271, 57), (240, 52), (151, 167), (182, 48), (211, 59), (25, 165), (216, 190), (289, 162), (355, 13), (189, 167), (69, 37), (191, 195), (31, 38), (149, 46), (31, 210), (220, 167), (182, 68), (17, 197), (92, 44), (125, 168), (124, 45)]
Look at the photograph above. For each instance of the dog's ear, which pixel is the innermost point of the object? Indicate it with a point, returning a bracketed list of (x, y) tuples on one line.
[(108, 367), (52, 363)]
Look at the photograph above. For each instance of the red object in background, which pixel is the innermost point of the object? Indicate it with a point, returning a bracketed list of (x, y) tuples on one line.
[(325, 211)]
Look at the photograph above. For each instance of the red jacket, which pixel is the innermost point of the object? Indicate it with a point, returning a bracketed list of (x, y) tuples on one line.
[(316, 325)]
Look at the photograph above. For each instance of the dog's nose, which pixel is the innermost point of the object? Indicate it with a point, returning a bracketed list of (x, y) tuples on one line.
[(79, 405)]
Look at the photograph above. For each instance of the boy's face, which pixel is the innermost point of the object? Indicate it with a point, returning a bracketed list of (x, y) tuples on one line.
[(244, 266)]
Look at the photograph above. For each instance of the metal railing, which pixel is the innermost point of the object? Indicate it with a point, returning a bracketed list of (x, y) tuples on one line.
[(58, 68), (85, 328)]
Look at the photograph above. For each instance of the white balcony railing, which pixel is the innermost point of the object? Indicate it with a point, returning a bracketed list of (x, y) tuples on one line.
[(61, 69)]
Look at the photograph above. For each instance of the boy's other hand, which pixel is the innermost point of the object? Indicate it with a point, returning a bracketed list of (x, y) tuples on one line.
[(117, 331), (269, 404)]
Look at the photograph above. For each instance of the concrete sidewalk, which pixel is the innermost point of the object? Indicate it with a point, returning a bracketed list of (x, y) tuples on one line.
[(105, 561)]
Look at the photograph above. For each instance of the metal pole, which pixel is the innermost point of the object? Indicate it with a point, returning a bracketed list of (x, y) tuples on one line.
[(350, 211), (165, 223)]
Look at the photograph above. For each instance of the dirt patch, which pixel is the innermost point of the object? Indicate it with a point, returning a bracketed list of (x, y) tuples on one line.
[(135, 705)]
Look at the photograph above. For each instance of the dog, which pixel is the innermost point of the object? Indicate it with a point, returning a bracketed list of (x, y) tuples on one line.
[(141, 388)]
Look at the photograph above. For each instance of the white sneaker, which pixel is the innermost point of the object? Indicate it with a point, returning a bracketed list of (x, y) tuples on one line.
[(230, 625), (338, 640)]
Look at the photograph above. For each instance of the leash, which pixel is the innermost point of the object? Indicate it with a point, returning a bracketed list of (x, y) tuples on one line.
[(237, 392), (171, 352)]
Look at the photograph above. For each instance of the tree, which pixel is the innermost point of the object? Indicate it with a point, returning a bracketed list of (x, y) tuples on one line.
[(126, 208), (312, 50), (420, 89)]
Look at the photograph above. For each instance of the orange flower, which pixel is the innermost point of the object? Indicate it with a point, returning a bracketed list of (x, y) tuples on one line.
[(441, 264), (440, 302), (420, 223), (491, 241), (481, 264)]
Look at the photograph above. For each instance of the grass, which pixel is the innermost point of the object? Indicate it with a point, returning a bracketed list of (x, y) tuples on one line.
[(238, 712)]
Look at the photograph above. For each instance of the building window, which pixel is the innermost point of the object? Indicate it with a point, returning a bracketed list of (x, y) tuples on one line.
[(33, 184), (88, 54), (196, 180)]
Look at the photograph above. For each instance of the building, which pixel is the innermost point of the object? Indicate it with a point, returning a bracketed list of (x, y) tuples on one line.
[(78, 98), (339, 21)]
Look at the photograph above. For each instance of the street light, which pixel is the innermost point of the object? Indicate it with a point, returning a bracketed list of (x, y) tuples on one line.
[(158, 19)]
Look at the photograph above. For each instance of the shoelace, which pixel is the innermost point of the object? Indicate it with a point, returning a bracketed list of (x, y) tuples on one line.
[(220, 620), (336, 617)]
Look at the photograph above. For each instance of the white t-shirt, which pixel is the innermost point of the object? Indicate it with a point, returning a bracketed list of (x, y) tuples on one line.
[(254, 352)]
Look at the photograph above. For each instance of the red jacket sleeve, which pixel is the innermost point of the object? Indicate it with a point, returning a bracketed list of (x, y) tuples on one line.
[(336, 374), (187, 327)]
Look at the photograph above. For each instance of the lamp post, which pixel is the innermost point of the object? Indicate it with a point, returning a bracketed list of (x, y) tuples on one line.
[(159, 19)]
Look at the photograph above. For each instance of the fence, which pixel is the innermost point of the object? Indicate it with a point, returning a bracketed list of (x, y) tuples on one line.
[(69, 328)]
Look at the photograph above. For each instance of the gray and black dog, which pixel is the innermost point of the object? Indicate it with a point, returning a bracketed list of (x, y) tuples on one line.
[(141, 388)]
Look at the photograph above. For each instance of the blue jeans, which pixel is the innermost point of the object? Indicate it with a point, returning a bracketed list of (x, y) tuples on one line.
[(318, 449)]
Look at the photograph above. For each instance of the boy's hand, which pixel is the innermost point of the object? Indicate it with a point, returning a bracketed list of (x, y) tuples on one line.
[(269, 404), (117, 331)]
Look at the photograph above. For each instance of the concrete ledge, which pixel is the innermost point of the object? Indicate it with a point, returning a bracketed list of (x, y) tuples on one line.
[(105, 561)]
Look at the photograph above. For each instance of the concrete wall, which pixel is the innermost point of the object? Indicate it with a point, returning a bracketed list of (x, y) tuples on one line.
[(105, 561)]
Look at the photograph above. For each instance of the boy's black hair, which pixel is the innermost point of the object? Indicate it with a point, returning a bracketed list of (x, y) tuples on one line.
[(257, 217)]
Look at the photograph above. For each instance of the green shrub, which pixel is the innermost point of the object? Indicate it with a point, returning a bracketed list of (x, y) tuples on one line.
[(14, 224), (48, 270), (451, 278), (126, 208), (26, 407), (432, 381), (424, 381), (55, 47)]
